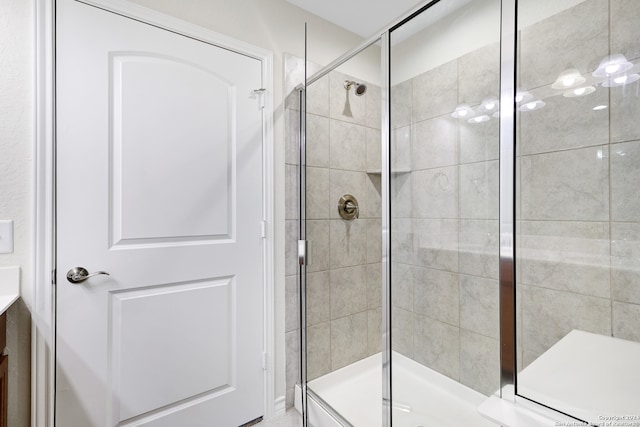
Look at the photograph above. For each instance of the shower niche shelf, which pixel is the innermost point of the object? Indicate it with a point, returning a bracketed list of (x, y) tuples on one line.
[(393, 172)]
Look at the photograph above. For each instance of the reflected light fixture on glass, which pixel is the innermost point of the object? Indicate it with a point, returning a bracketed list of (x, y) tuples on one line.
[(523, 96), (479, 119), (532, 105), (489, 104), (580, 91), (621, 80), (599, 107), (462, 111), (612, 65), (568, 78)]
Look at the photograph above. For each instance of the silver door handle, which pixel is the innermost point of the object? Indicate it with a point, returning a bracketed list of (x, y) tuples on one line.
[(80, 274)]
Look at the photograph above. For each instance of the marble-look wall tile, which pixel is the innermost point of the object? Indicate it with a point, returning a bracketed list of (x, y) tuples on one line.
[(401, 192), (624, 112), (401, 104), (318, 97), (548, 315), (373, 106), (292, 204), (437, 345), (402, 240), (346, 182), (348, 291), (402, 331), (374, 331), (479, 190), (317, 193), (625, 176), (349, 340), (565, 123), (479, 362), (319, 246), (435, 193), (317, 141), (479, 141), (480, 305), (292, 304), (479, 247), (374, 285), (348, 243), (291, 247), (567, 256), (348, 146), (575, 38), (435, 243), (292, 136), (402, 285), (479, 71), (372, 208), (318, 301), (435, 92), (401, 149), (292, 359), (625, 32), (434, 143), (626, 321), (374, 240), (344, 104), (566, 185), (318, 350), (436, 295), (625, 262), (374, 150)]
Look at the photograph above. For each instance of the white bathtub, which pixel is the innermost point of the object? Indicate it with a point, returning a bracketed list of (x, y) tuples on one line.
[(421, 397)]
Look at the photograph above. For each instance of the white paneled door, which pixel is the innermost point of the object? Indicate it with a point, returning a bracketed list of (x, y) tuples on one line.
[(159, 184)]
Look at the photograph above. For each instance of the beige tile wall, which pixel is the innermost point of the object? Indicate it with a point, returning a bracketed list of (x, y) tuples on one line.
[(578, 168), (344, 295), (577, 208)]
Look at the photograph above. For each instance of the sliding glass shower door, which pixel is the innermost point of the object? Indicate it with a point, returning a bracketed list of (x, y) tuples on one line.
[(469, 217), (444, 195)]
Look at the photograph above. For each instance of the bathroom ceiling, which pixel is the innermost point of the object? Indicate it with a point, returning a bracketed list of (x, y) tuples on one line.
[(362, 17)]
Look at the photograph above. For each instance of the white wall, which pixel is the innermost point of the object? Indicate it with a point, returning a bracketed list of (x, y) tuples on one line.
[(16, 141)]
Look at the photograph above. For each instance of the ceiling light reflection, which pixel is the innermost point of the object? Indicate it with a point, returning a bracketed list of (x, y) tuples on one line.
[(479, 119), (612, 65), (532, 105), (581, 91), (568, 78), (462, 111), (621, 80)]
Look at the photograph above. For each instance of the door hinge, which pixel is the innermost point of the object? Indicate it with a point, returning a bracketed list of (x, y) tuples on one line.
[(263, 229), (53, 277), (260, 93), (264, 361)]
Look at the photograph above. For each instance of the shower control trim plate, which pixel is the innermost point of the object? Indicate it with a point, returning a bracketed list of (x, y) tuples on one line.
[(348, 207)]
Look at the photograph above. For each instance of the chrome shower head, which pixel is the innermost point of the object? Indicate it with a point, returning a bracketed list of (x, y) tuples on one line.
[(360, 88)]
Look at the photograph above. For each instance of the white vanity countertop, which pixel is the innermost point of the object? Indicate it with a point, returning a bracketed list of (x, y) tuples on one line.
[(9, 287)]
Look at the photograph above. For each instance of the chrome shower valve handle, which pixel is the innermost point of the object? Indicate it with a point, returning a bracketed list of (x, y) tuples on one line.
[(80, 274)]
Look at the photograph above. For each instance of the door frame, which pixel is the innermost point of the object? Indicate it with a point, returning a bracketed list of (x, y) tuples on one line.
[(44, 172)]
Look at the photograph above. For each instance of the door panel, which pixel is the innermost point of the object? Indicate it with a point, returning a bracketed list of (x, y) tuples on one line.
[(159, 183)]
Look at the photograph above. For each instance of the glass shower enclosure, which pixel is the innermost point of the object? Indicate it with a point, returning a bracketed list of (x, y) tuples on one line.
[(468, 224)]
